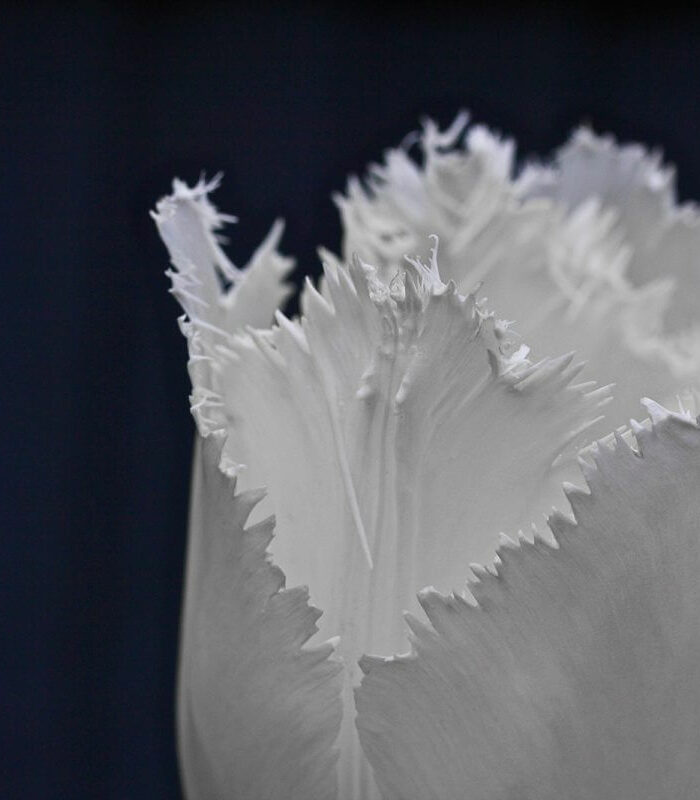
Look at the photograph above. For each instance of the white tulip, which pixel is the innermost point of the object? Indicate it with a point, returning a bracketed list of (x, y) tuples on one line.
[(398, 427)]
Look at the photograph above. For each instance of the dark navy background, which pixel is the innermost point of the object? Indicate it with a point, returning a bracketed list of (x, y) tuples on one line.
[(100, 105)]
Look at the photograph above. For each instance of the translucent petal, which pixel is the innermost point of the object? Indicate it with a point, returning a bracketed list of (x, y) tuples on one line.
[(258, 709), (577, 675), (398, 429), (553, 254)]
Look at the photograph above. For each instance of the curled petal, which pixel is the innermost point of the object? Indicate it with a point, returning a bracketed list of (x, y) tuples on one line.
[(577, 674), (258, 709)]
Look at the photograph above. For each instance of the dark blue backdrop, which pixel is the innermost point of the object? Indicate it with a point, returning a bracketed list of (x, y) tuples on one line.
[(100, 106)]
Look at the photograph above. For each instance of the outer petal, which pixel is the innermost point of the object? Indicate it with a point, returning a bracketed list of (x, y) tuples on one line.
[(219, 299), (258, 711), (187, 223), (578, 673), (398, 430)]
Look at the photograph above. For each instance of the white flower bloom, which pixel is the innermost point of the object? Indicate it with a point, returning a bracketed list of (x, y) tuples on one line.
[(398, 427)]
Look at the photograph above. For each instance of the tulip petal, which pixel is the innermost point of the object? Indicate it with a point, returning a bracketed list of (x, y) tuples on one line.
[(398, 428), (258, 709), (218, 298), (577, 674)]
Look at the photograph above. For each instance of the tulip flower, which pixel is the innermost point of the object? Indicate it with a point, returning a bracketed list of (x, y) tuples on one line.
[(374, 604)]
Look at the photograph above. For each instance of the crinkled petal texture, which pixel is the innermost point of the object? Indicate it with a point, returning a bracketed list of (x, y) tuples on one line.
[(577, 675), (569, 254), (259, 710)]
